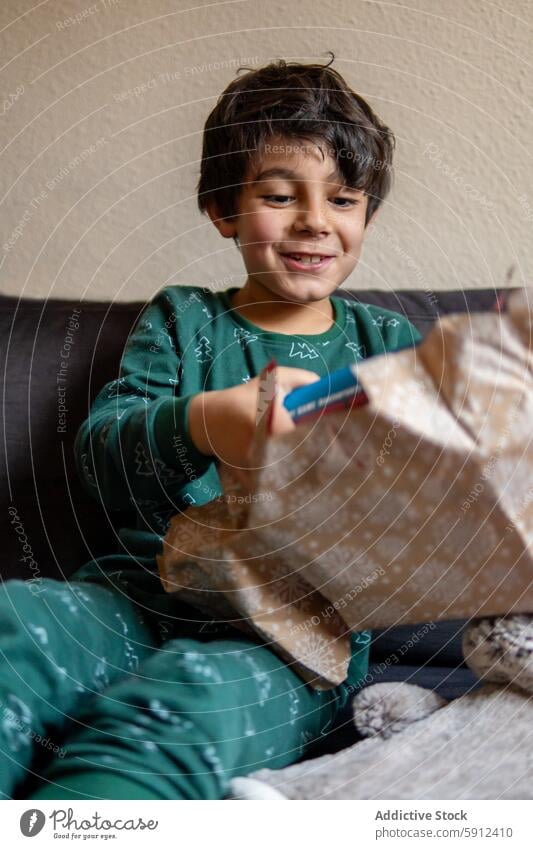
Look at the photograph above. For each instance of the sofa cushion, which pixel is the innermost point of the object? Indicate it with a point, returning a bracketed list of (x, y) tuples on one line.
[(63, 526), (423, 307)]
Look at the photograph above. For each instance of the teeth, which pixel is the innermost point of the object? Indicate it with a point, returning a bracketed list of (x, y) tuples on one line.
[(307, 260)]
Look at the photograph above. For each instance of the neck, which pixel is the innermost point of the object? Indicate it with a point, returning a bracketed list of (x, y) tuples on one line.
[(270, 312)]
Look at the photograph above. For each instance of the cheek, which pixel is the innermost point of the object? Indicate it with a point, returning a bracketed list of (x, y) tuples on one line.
[(262, 231), (267, 226), (353, 236)]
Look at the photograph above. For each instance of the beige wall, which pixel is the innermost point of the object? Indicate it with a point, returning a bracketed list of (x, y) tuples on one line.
[(103, 105)]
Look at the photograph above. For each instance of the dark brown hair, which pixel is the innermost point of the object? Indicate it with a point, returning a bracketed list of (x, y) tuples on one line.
[(311, 102)]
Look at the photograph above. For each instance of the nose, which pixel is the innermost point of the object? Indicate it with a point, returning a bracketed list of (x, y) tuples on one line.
[(311, 216)]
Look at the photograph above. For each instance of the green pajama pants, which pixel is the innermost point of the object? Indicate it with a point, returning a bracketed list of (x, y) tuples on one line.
[(96, 704)]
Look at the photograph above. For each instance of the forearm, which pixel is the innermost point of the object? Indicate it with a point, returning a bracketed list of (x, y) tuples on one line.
[(141, 452), (202, 420), (135, 443), (221, 423)]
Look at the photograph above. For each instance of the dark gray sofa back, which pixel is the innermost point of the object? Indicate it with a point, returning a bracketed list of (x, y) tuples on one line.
[(40, 492)]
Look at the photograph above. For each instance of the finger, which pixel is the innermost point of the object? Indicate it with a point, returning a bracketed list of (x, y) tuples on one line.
[(290, 378), (281, 421)]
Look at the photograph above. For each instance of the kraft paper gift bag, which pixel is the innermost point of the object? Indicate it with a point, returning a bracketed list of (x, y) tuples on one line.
[(416, 507)]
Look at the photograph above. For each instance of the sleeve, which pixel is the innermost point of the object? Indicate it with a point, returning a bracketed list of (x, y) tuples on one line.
[(135, 443)]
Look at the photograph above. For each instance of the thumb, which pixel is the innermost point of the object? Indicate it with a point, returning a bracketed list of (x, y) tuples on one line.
[(291, 378), (288, 379)]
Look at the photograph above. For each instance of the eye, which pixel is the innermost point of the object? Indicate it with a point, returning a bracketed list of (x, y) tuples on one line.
[(349, 201), (277, 198), (282, 199)]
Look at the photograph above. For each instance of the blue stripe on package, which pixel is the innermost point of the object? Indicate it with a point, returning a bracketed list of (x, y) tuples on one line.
[(333, 390)]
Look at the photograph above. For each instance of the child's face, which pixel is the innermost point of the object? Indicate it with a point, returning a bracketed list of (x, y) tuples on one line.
[(304, 209)]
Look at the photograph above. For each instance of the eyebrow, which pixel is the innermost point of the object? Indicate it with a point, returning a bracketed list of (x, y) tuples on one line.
[(289, 174)]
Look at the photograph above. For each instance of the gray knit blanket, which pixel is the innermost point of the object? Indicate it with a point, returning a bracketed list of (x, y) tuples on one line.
[(479, 746)]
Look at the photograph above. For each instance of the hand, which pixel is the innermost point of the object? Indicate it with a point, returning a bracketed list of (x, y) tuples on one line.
[(222, 422)]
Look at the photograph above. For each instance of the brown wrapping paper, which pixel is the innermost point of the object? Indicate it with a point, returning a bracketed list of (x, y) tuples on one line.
[(414, 508)]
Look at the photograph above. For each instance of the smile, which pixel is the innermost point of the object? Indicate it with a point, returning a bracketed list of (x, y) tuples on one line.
[(304, 262)]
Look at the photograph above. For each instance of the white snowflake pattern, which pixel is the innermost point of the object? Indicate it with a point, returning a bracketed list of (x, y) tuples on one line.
[(192, 576), (359, 350), (203, 350), (261, 678), (162, 520), (199, 536), (88, 474), (66, 596), (147, 466), (200, 665), (389, 547), (305, 738), (500, 573), (100, 675), (362, 638), (105, 430), (165, 473), (447, 533), (144, 467), (294, 702), (316, 651), (180, 724), (338, 558), (249, 729), (210, 755), (283, 466), (250, 600), (122, 622), (40, 633), (16, 722), (303, 351), (159, 710), (113, 388), (387, 612), (289, 587), (442, 582), (314, 508), (244, 337), (130, 657)]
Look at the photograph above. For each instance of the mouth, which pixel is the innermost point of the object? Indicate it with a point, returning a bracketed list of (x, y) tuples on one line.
[(306, 262)]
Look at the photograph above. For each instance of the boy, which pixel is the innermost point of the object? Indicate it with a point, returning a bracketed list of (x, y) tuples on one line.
[(150, 699)]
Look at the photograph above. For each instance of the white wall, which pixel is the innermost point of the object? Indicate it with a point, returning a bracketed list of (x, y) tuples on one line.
[(453, 79)]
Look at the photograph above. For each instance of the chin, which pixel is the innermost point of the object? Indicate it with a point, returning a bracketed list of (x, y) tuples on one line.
[(303, 291)]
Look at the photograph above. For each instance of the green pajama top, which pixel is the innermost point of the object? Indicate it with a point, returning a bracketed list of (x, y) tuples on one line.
[(134, 452)]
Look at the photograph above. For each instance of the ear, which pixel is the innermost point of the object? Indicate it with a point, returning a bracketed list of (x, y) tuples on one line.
[(227, 227)]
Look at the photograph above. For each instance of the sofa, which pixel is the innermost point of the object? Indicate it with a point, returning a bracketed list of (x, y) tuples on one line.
[(42, 408)]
